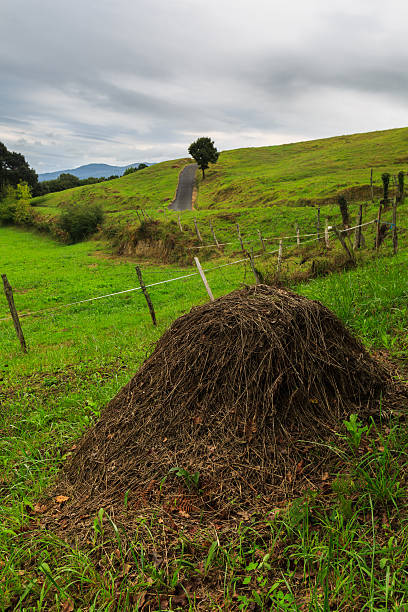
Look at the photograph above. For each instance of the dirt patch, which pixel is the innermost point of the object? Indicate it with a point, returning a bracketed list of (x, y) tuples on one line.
[(233, 405)]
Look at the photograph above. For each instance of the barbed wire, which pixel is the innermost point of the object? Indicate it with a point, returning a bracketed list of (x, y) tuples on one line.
[(170, 280)]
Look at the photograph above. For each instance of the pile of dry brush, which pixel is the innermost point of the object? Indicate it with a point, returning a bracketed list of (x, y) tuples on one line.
[(235, 394)]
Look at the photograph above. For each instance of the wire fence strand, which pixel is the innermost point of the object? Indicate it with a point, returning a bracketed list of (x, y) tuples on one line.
[(170, 280)]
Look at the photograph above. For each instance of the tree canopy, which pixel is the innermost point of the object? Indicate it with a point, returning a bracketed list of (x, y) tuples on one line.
[(204, 152), (14, 169)]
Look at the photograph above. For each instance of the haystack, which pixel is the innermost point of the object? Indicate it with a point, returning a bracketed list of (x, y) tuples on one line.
[(238, 394)]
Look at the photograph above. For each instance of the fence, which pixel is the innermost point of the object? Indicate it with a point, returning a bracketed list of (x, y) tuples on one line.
[(342, 234)]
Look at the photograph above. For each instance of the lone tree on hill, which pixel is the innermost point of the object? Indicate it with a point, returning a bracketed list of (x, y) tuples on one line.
[(204, 152)]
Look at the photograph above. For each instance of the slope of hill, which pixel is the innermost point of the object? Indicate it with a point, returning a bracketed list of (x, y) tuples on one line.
[(90, 170), (304, 172), (153, 187), (300, 173)]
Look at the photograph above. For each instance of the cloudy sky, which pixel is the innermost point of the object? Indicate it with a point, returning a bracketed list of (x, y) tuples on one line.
[(121, 81)]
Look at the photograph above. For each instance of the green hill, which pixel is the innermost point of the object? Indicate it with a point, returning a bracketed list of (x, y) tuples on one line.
[(267, 188), (299, 173), (304, 172)]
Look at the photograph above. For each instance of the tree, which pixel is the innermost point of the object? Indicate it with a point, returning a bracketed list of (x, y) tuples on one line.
[(14, 168), (204, 152), (15, 205), (129, 170)]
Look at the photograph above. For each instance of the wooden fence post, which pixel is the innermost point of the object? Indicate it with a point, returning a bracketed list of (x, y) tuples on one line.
[(240, 238), (214, 236), (197, 230), (372, 186), (279, 264), (179, 223), (394, 227), (262, 240), (318, 223), (251, 261), (340, 236), (203, 278), (297, 235), (377, 236), (326, 234), (14, 315), (147, 296), (357, 237)]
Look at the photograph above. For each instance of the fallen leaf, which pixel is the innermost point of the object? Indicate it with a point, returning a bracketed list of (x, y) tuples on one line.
[(164, 439), (39, 508), (180, 600), (245, 515), (126, 568), (185, 514), (60, 499), (325, 475), (299, 467), (67, 606), (197, 420)]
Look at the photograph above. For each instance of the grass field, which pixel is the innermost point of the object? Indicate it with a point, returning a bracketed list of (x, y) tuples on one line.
[(278, 186), (341, 547), (344, 545)]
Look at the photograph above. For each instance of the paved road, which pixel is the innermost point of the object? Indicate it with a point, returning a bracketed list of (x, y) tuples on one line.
[(184, 193)]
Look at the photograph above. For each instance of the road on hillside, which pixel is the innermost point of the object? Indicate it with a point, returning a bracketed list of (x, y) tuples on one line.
[(184, 193)]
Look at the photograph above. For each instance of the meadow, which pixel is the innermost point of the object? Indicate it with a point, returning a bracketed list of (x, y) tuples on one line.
[(279, 186), (343, 547)]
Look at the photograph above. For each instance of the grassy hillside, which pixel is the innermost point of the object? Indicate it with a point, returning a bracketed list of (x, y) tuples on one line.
[(148, 188), (341, 547), (267, 188), (304, 172), (299, 173)]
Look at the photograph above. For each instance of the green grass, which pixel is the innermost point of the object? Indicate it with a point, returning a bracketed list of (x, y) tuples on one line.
[(302, 172), (152, 187), (342, 547), (277, 186)]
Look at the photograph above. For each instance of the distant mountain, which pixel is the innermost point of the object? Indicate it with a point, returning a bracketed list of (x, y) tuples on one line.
[(94, 170)]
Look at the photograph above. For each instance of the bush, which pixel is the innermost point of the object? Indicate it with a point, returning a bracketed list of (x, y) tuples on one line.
[(78, 221), (15, 205)]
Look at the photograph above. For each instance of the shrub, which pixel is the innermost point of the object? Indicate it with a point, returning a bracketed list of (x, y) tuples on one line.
[(15, 205), (78, 221)]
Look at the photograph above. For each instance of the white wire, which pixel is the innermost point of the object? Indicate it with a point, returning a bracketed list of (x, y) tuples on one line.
[(170, 280)]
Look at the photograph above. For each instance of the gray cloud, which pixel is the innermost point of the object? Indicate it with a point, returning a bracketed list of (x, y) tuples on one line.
[(136, 81)]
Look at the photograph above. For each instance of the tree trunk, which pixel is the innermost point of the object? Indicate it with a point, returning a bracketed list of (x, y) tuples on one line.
[(202, 169)]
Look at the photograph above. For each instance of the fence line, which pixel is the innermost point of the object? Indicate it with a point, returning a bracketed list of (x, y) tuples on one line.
[(170, 280), (207, 246)]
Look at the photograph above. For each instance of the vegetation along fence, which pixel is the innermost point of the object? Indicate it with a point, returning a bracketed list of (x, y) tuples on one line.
[(343, 234)]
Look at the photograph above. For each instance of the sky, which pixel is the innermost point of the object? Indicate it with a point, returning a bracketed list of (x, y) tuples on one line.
[(123, 81)]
